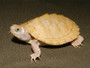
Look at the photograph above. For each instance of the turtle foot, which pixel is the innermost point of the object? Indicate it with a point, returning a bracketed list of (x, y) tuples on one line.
[(78, 42)]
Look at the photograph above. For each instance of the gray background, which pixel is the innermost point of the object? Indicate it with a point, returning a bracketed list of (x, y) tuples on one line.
[(15, 53)]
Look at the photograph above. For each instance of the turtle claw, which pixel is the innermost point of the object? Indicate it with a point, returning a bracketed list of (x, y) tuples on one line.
[(39, 58), (34, 57), (81, 44), (76, 46)]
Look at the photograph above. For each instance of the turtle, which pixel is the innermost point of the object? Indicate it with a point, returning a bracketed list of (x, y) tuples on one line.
[(48, 29)]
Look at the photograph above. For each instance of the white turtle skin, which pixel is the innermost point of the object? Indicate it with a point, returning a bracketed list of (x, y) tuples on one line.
[(78, 41), (21, 32)]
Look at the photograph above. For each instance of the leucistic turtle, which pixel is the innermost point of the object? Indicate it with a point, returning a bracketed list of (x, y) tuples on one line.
[(51, 29)]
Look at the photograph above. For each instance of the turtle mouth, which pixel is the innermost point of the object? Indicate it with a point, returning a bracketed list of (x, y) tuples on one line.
[(12, 30)]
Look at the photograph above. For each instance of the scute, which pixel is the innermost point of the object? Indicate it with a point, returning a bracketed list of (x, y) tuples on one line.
[(53, 29)]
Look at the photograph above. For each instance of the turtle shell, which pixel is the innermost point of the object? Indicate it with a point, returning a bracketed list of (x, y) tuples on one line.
[(53, 29)]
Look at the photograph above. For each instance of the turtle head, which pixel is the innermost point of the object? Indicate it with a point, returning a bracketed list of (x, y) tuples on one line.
[(20, 32)]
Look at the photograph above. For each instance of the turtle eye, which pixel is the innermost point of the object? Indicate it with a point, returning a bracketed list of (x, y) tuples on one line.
[(17, 30)]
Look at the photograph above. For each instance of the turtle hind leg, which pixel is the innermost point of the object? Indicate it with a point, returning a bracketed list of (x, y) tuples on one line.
[(77, 42)]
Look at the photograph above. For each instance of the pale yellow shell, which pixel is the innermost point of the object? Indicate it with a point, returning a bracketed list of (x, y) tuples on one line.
[(53, 29)]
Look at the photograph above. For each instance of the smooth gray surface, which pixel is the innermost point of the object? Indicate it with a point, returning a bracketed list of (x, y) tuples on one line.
[(15, 54)]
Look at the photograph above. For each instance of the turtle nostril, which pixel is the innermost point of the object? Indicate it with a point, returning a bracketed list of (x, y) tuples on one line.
[(10, 27)]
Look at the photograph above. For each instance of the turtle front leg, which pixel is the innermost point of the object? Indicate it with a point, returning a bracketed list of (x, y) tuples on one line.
[(35, 47), (76, 43)]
